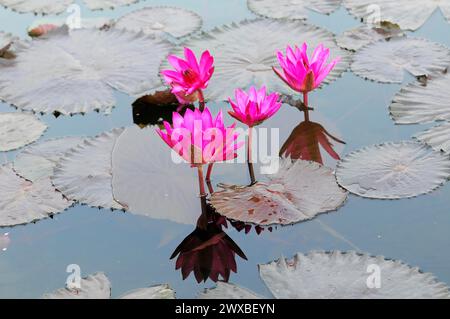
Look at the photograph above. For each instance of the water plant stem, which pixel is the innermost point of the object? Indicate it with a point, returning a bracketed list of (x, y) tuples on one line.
[(249, 156), (306, 109), (201, 185), (201, 182)]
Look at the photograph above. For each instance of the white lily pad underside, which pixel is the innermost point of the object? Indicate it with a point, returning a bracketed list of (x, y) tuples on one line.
[(83, 174), (299, 191), (355, 39), (339, 275), (292, 9), (18, 130), (408, 14), (78, 71), (177, 22), (98, 286), (417, 103), (437, 137), (148, 183), (386, 62), (238, 64), (39, 160), (393, 170), (59, 6), (23, 202)]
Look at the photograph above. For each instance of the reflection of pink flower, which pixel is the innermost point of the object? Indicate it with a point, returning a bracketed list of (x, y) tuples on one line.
[(190, 77), (255, 107), (304, 142), (301, 73), (41, 30), (199, 138), (208, 251)]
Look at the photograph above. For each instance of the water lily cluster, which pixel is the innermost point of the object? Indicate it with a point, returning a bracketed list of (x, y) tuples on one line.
[(202, 139)]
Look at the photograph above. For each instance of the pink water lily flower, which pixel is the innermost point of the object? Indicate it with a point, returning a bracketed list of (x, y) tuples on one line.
[(303, 73), (254, 107), (200, 139), (190, 76)]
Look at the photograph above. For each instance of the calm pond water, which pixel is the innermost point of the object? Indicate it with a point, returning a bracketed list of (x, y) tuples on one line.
[(134, 251)]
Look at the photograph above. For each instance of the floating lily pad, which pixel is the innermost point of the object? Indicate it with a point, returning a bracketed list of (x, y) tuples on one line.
[(84, 23), (177, 22), (417, 103), (83, 174), (437, 137), (77, 71), (59, 6), (107, 4), (409, 14), (239, 64), (98, 286), (224, 290), (23, 202), (18, 130), (155, 292), (387, 61), (147, 182), (299, 191), (37, 6), (6, 43), (393, 170), (346, 275), (359, 37), (292, 9), (39, 160)]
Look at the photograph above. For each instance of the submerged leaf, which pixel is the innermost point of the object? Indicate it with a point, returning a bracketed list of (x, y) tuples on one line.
[(409, 14), (299, 191), (239, 64), (393, 170), (23, 202), (387, 61), (39, 160), (18, 130), (177, 22), (292, 9), (154, 109), (346, 275), (76, 72), (149, 183), (417, 103), (84, 173), (437, 137), (359, 37)]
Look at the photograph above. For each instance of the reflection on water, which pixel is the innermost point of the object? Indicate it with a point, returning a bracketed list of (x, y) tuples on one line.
[(208, 251), (305, 141)]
